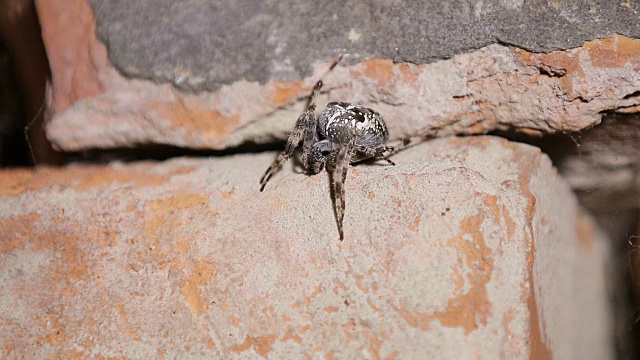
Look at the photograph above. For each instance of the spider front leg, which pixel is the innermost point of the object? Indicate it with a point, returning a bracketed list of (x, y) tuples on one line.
[(339, 165), (305, 128)]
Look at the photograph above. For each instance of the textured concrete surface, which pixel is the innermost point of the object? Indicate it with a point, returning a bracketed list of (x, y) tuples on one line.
[(219, 42), (468, 248)]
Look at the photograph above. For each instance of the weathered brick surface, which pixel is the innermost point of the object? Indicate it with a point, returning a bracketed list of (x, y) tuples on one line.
[(468, 248), (495, 87)]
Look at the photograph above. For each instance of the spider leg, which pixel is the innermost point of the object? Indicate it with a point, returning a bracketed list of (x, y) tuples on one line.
[(340, 166), (406, 142), (375, 153), (426, 134), (304, 122), (305, 128)]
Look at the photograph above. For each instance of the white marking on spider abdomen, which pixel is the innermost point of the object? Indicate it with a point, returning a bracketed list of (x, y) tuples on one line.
[(341, 121)]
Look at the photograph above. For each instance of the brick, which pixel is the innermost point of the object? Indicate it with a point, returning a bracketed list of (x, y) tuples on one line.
[(488, 88), (468, 248)]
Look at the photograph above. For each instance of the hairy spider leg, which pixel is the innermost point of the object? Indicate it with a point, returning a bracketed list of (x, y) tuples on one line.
[(305, 128), (375, 153), (338, 178), (423, 135), (311, 136)]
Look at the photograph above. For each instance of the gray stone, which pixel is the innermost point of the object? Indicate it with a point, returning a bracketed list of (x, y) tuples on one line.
[(202, 45)]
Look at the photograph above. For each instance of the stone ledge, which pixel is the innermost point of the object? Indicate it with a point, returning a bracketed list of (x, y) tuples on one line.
[(468, 248), (495, 87), (203, 45)]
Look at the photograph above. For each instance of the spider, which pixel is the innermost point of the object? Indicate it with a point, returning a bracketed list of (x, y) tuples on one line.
[(344, 134)]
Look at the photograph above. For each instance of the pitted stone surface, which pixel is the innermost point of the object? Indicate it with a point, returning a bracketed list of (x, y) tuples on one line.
[(468, 248), (202, 45)]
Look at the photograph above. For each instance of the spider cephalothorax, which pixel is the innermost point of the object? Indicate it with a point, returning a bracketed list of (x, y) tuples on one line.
[(344, 133)]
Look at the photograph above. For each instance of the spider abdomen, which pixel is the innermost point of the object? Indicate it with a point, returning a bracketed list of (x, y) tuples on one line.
[(341, 121)]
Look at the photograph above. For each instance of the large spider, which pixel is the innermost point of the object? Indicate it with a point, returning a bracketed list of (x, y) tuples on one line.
[(344, 134)]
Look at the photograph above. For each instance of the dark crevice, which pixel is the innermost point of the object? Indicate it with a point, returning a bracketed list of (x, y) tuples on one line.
[(600, 151), (163, 152), (503, 42), (13, 145), (24, 73), (632, 95)]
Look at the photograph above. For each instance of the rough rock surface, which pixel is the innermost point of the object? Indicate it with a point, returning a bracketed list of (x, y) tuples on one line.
[(468, 248), (495, 87), (218, 42)]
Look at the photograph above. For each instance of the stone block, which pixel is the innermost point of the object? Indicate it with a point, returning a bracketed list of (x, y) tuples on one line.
[(194, 93), (467, 248)]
